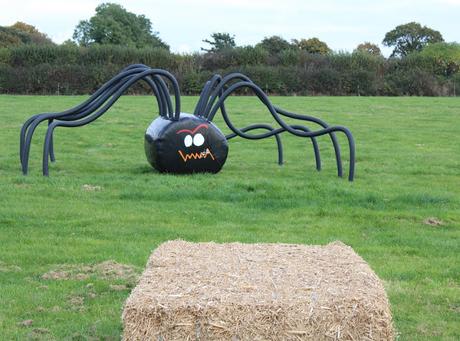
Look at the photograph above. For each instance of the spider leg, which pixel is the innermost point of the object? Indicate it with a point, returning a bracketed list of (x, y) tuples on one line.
[(218, 91), (315, 145), (240, 76), (156, 93), (201, 99), (92, 116), (157, 89), (114, 88), (86, 107), (160, 102), (206, 93), (47, 148), (162, 90), (313, 140), (164, 95), (284, 126), (24, 147), (233, 76), (266, 127), (52, 157), (334, 140), (22, 137)]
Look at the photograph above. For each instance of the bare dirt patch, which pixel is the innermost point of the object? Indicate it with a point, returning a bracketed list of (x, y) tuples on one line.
[(56, 309), (40, 331), (91, 188), (56, 275), (112, 270), (40, 334), (21, 185), (5, 267), (107, 270), (433, 221), (118, 287), (76, 303), (26, 323)]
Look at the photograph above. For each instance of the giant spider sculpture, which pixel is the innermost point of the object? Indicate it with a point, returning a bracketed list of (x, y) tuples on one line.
[(179, 142)]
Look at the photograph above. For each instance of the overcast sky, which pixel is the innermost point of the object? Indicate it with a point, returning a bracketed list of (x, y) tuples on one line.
[(184, 24)]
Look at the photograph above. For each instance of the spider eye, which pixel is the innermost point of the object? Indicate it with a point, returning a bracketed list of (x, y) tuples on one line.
[(188, 140), (198, 139)]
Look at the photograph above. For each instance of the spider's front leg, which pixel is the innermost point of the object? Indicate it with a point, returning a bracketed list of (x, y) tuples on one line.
[(99, 106), (82, 110)]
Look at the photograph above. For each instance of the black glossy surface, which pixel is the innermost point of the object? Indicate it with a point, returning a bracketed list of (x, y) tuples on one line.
[(189, 145)]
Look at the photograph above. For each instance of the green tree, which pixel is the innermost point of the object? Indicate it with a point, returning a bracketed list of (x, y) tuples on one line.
[(112, 24), (446, 57), (274, 44), (36, 37), (219, 42), (11, 37), (410, 37), (312, 45), (69, 43), (369, 48), (21, 33)]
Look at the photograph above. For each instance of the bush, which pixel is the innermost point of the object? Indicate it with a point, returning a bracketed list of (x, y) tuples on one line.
[(69, 69)]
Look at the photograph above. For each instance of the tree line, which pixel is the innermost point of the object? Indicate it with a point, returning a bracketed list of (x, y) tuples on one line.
[(30, 63)]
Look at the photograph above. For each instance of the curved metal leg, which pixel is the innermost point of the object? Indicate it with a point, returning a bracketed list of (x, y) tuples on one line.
[(315, 146), (284, 126), (47, 147), (210, 85), (53, 159), (87, 106), (161, 107), (83, 113), (230, 77), (22, 137), (279, 144), (335, 142)]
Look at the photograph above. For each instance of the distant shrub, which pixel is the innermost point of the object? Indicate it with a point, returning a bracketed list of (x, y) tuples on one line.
[(70, 69)]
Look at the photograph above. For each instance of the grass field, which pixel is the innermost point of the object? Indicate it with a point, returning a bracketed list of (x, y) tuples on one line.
[(103, 202)]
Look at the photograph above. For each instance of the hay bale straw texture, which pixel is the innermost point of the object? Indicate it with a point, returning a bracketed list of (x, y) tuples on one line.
[(209, 291)]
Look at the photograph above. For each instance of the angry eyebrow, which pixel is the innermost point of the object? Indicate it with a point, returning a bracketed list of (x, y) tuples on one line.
[(203, 125)]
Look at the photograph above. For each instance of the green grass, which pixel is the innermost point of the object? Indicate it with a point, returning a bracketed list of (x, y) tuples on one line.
[(408, 169)]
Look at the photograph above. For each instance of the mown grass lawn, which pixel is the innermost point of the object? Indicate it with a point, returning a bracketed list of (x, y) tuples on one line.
[(103, 202)]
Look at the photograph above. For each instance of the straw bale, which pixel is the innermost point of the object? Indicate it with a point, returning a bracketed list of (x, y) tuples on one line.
[(209, 291)]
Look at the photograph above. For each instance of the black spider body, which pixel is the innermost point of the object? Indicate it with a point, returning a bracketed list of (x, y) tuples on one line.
[(188, 145), (177, 142)]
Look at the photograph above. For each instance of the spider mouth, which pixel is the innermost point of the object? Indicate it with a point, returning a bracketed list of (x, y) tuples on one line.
[(196, 156)]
